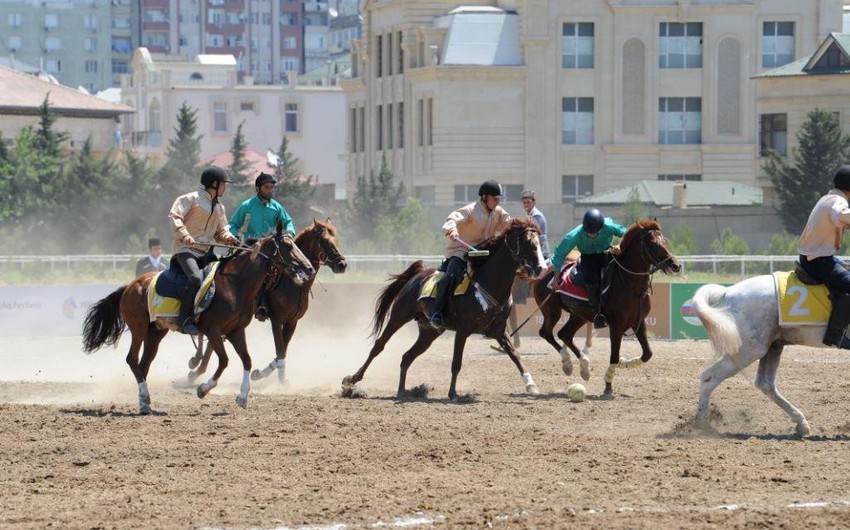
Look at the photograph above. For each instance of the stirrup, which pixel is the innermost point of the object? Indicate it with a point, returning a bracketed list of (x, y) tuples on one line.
[(436, 321), (189, 327), (599, 321)]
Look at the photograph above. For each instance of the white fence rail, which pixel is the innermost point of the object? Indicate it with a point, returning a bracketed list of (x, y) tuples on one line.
[(718, 264)]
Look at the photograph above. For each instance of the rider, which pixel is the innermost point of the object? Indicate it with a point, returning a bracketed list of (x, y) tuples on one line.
[(257, 217), (472, 224), (820, 240), (592, 238), (198, 218)]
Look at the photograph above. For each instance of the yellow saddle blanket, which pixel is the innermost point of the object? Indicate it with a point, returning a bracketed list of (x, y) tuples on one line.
[(801, 304), (165, 306), (429, 289)]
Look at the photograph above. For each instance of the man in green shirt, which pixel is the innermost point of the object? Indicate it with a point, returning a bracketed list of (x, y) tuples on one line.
[(257, 217)]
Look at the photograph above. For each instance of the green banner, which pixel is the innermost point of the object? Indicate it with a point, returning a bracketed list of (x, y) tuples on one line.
[(684, 322)]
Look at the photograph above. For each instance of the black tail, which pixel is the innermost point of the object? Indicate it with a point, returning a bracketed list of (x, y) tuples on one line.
[(388, 295), (104, 324)]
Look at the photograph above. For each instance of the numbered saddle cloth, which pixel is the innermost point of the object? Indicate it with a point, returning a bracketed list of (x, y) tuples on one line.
[(429, 288), (801, 304), (166, 306), (572, 283)]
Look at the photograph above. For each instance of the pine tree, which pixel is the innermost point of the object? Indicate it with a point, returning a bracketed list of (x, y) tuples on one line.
[(293, 190), (48, 140), (823, 147), (238, 168), (182, 166), (374, 199)]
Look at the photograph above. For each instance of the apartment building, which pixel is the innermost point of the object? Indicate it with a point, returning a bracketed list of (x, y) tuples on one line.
[(570, 97)]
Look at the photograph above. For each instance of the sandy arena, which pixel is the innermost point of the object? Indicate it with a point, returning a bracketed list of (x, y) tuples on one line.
[(75, 454)]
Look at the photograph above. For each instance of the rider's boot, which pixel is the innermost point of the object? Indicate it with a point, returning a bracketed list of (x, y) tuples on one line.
[(595, 299), (187, 306), (837, 320), (262, 312), (436, 316)]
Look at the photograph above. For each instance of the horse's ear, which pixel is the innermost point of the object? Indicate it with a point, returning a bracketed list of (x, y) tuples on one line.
[(328, 220)]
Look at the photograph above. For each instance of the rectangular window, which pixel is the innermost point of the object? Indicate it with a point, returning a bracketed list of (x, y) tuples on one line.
[(400, 125), (577, 45), (577, 121), (379, 127), (512, 192), (420, 122), (352, 130), (680, 45), (14, 20), (91, 21), (246, 106), (291, 118), (361, 126), (90, 44), (54, 66), (400, 54), (379, 54), (777, 46), (120, 67), (390, 53), (575, 187), (51, 20), (466, 193), (390, 131), (429, 139), (679, 121), (91, 67), (14, 43), (52, 44), (678, 178), (290, 43), (220, 117), (773, 134)]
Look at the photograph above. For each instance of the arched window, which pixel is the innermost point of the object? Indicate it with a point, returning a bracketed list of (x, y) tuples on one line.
[(196, 76)]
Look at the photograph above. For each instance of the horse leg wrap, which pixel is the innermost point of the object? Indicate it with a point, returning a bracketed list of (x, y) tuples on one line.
[(242, 398), (610, 372), (566, 361), (280, 364), (530, 385), (144, 398), (584, 367)]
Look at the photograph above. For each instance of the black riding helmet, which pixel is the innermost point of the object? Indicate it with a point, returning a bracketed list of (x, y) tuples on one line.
[(842, 178), (212, 176), (264, 178), (490, 187), (593, 221)]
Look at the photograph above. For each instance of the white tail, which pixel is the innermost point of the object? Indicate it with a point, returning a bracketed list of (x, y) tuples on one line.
[(721, 327)]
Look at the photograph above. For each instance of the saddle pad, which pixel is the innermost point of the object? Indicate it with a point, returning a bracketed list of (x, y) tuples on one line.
[(429, 289), (801, 304), (568, 285), (166, 306)]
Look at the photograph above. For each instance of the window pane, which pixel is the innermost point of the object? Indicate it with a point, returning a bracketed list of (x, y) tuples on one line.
[(569, 30), (585, 29), (585, 104), (675, 104), (785, 28), (676, 30)]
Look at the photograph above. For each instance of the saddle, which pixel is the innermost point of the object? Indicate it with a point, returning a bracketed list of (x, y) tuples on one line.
[(166, 290), (839, 315), (429, 288)]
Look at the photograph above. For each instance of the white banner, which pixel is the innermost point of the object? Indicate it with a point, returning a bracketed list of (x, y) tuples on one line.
[(47, 310)]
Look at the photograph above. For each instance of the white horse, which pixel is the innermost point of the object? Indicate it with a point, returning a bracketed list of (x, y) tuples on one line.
[(742, 322)]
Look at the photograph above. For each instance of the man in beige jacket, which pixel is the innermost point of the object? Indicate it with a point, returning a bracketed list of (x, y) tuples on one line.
[(474, 223), (198, 218)]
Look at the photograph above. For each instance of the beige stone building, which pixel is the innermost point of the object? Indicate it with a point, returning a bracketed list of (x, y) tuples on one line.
[(571, 97)]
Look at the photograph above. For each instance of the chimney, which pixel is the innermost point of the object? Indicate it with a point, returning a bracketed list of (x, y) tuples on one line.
[(680, 195)]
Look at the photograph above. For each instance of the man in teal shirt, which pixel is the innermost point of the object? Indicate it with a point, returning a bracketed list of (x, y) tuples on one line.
[(592, 238), (257, 217)]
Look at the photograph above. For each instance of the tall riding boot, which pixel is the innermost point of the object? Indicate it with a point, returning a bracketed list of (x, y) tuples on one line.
[(837, 320), (595, 296), (436, 317), (187, 306)]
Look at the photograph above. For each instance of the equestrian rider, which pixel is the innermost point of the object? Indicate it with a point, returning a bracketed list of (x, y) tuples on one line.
[(474, 223), (198, 218), (592, 238), (257, 217), (818, 244)]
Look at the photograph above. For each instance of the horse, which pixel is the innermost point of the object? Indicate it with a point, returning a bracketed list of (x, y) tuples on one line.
[(484, 308), (742, 322), (237, 282), (288, 301), (626, 304)]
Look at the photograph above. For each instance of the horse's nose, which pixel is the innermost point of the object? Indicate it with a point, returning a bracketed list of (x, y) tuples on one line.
[(341, 266)]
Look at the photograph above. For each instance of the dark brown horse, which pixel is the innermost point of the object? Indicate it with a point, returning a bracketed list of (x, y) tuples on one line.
[(237, 282), (626, 304), (289, 301), (484, 308)]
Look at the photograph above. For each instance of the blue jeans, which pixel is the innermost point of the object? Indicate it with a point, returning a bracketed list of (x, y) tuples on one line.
[(829, 270)]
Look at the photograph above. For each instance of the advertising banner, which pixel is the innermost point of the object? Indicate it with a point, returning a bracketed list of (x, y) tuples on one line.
[(47, 310), (684, 322)]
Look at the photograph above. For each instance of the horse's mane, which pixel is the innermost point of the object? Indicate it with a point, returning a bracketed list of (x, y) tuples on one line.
[(632, 235), (515, 223)]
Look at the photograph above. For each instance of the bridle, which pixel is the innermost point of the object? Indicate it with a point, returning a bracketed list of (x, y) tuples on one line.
[(647, 255), (515, 253), (326, 250)]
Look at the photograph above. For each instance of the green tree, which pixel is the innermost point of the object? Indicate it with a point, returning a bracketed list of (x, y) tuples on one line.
[(407, 232), (782, 244), (682, 241), (182, 158), (823, 147), (239, 167), (374, 198), (47, 138), (634, 209), (729, 244), (293, 190)]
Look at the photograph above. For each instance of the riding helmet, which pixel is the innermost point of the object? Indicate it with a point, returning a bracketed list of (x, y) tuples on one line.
[(263, 178), (213, 174), (842, 178), (593, 221), (490, 187)]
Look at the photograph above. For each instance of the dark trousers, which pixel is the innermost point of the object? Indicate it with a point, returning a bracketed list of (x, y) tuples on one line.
[(829, 270), (189, 264), (454, 268)]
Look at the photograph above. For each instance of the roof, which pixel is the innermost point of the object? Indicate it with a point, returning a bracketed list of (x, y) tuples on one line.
[(22, 93), (699, 193), (808, 65), (481, 36), (257, 161)]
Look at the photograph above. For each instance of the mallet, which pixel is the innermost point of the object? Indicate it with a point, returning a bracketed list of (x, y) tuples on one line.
[(472, 251)]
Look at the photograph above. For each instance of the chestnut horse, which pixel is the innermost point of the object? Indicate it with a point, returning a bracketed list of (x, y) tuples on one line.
[(626, 304), (289, 301), (484, 308), (237, 282)]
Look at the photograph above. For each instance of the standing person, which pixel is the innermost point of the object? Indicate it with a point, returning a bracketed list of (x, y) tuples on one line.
[(198, 218), (473, 223), (818, 244), (592, 238), (257, 217), (153, 261), (529, 204)]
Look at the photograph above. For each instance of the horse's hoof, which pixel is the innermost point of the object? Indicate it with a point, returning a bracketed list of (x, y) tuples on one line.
[(194, 362), (533, 390), (191, 376), (201, 392), (609, 390), (585, 369), (256, 375), (242, 402), (803, 428), (145, 410), (567, 367)]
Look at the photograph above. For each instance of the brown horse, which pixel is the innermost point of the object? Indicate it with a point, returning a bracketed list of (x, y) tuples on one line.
[(237, 282), (289, 301), (484, 307), (626, 304)]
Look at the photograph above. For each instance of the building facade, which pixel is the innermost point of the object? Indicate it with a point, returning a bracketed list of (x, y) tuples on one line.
[(569, 98)]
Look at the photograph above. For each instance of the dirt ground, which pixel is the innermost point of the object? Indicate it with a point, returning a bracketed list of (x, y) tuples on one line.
[(74, 453)]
